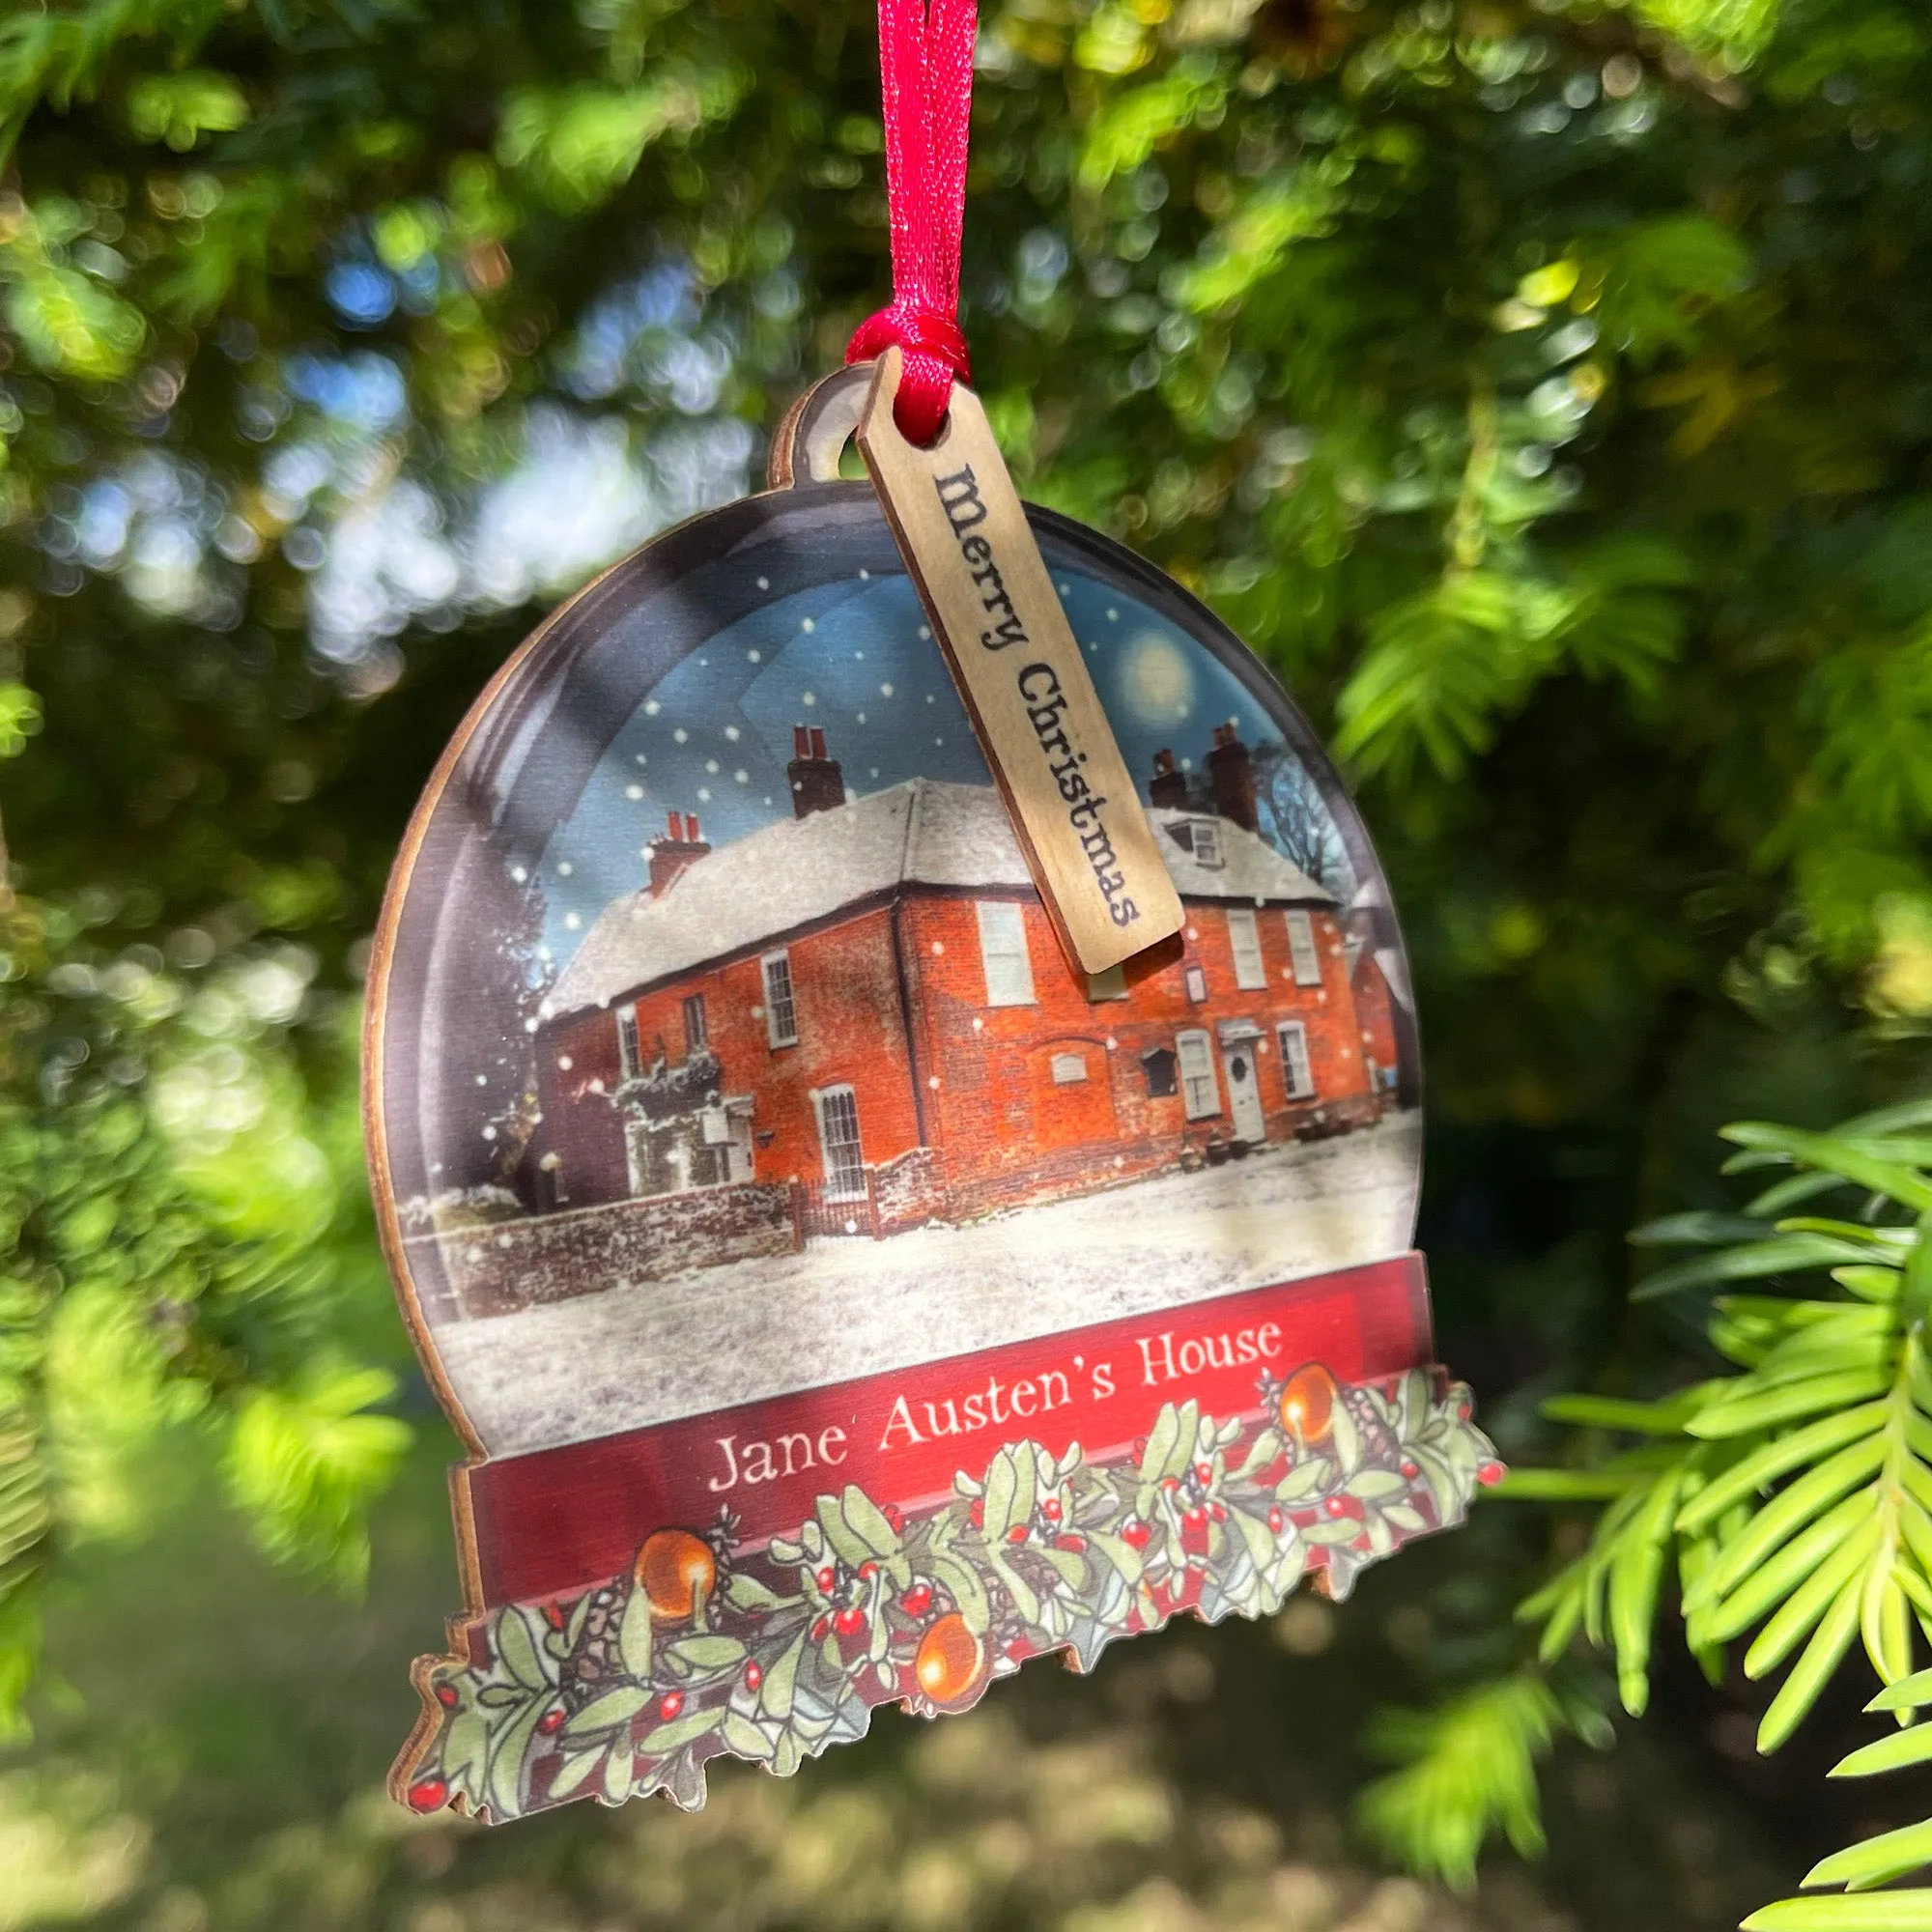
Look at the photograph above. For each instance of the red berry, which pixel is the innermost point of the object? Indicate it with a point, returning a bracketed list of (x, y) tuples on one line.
[(977, 1515), (827, 1578), (819, 1629), (867, 1572), (445, 1695), (1462, 1412), (1050, 1509), (550, 1721), (1017, 1534), (1194, 1517), (1337, 1506), (1491, 1474), (1218, 1511), (1411, 1471), (890, 1513), (1275, 1521), (1204, 1472), (917, 1601), (753, 1676), (1170, 1484), (553, 1615), (849, 1621), (431, 1795), (1074, 1544), (670, 1704), (1136, 1534)]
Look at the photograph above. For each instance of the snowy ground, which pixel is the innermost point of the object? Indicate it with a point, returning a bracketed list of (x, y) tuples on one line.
[(846, 1308)]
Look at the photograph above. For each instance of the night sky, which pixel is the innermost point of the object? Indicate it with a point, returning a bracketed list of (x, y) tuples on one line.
[(856, 660)]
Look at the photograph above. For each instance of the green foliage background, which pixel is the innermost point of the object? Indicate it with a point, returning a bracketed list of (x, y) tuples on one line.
[(1544, 388)]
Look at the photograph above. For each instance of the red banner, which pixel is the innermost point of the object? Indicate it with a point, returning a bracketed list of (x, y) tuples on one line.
[(563, 1520)]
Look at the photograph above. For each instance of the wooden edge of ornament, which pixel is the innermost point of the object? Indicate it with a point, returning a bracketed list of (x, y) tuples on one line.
[(968, 548)]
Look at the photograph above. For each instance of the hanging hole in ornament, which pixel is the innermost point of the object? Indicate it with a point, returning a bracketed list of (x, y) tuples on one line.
[(814, 441)]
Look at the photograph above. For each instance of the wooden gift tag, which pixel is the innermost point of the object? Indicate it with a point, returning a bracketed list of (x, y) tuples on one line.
[(963, 533)]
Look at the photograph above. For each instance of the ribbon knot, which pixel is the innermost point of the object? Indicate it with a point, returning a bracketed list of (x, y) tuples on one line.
[(926, 74)]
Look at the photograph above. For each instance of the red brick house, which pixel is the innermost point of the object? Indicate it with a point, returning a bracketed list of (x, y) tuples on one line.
[(867, 1001)]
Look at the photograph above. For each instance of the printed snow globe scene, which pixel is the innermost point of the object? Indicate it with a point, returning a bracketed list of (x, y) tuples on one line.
[(843, 1298)]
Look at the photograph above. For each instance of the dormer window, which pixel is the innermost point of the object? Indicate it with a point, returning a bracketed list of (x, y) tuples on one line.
[(1206, 842)]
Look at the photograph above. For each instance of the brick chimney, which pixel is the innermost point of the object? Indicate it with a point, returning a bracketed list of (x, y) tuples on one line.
[(1169, 785), (1231, 774), (817, 784), (681, 846)]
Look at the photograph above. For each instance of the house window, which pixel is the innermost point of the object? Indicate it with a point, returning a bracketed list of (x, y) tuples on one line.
[(1068, 1068), (781, 1009), (1301, 950), (1247, 944), (1199, 1095), (838, 1138), (1112, 984), (1003, 953), (1296, 1076), (1197, 984), (1159, 1066), (697, 1034), (630, 1058), (1206, 843)]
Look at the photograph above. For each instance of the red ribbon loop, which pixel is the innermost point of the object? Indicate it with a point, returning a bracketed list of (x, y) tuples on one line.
[(925, 72)]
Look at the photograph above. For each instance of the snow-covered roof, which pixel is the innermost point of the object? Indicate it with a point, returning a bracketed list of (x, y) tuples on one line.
[(926, 832)]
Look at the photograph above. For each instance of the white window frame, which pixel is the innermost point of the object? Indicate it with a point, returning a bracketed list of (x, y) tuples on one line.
[(781, 999), (1297, 1069), (1003, 959), (630, 1043), (854, 1171), (1245, 941), (1302, 948), (697, 1042), (1068, 1068), (1206, 844), (1199, 1083), (1194, 977), (1110, 985)]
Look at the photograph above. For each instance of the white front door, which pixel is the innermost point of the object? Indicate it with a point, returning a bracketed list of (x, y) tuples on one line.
[(1244, 1093)]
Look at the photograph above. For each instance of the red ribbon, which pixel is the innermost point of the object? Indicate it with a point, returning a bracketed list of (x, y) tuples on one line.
[(926, 74)]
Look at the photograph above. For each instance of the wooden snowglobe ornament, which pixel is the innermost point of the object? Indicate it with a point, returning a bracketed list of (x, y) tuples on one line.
[(844, 1290)]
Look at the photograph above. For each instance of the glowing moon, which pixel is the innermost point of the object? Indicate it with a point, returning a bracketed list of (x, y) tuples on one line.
[(1156, 679)]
